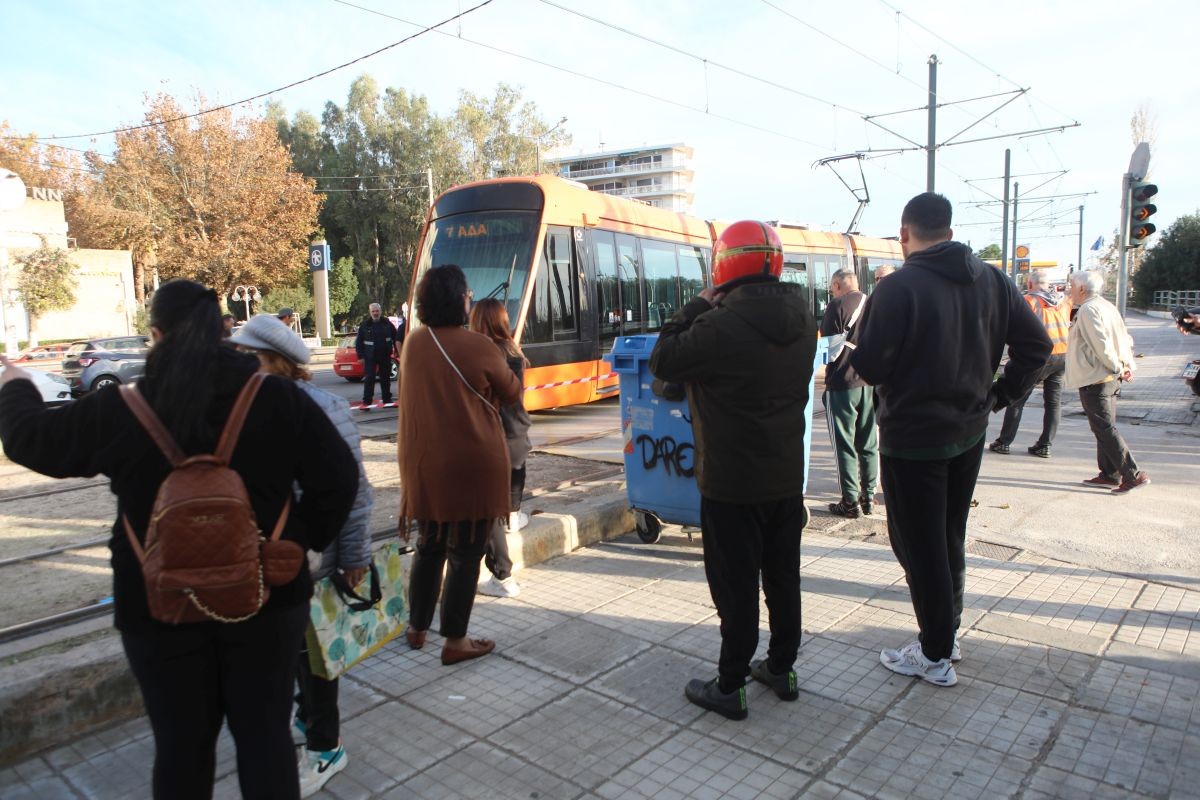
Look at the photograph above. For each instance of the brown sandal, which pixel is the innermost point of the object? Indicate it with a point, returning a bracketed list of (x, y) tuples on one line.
[(416, 639), (479, 647)]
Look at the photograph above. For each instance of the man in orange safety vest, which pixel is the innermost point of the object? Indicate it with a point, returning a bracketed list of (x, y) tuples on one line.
[(1055, 316)]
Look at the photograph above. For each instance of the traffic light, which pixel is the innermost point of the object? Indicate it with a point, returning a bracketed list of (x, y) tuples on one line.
[(1140, 210)]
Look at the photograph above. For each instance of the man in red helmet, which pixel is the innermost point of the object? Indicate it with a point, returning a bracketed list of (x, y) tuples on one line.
[(744, 350), (930, 341)]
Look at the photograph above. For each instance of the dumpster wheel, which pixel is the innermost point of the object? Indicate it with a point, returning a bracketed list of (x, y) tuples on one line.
[(649, 529)]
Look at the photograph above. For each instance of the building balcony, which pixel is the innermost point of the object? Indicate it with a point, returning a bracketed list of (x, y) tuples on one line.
[(624, 169), (642, 191)]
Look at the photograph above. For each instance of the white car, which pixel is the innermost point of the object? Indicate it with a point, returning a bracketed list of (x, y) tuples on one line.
[(54, 387)]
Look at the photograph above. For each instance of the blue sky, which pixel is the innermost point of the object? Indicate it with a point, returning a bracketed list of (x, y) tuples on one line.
[(76, 67)]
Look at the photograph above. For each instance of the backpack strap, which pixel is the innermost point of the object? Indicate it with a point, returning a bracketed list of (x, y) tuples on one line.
[(149, 420), (237, 418), (233, 429)]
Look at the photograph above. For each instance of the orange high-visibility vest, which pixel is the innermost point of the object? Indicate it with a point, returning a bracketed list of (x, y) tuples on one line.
[(1055, 318)]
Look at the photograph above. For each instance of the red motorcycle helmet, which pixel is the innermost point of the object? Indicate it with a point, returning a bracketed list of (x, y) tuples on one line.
[(745, 249)]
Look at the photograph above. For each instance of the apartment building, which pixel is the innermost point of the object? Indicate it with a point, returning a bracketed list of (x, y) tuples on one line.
[(660, 176)]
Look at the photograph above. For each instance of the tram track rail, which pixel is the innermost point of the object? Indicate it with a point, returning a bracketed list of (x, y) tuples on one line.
[(104, 607)]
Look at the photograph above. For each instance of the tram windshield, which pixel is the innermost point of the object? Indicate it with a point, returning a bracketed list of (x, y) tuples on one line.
[(494, 249)]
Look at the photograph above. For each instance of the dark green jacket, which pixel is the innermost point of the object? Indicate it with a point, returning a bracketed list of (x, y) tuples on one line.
[(747, 364)]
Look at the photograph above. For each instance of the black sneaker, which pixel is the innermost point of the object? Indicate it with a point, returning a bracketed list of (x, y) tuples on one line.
[(867, 505), (709, 695), (999, 447), (843, 508), (1040, 450), (783, 685)]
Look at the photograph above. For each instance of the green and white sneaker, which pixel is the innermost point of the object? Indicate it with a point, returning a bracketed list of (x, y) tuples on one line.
[(317, 767), (910, 660), (783, 685)]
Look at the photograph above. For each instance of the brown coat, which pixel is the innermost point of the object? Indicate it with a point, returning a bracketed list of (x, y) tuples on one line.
[(454, 463)]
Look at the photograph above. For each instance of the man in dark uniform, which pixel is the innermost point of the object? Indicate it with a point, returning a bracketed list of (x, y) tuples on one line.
[(375, 346), (744, 350)]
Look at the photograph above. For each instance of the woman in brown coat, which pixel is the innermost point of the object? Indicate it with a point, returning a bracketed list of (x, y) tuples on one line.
[(454, 463)]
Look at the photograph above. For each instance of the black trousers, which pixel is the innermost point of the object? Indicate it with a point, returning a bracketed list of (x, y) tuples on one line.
[(1051, 378), (194, 676), (1112, 454), (384, 368), (927, 507), (740, 543), (459, 551), (317, 701)]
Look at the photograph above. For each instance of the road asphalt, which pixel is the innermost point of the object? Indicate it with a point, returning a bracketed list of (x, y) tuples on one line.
[(1080, 674)]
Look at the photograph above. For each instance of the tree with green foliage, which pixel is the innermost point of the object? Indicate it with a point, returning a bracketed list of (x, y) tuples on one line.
[(1173, 263), (297, 297), (343, 287), (990, 253), (47, 283), (370, 159)]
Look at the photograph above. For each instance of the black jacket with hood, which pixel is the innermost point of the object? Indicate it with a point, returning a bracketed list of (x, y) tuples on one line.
[(931, 339), (747, 364)]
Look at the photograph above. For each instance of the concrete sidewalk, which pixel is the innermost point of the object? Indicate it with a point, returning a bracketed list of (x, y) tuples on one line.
[(1074, 683), (1077, 680)]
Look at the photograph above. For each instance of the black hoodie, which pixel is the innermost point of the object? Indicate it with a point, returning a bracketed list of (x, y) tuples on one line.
[(931, 339), (747, 364)]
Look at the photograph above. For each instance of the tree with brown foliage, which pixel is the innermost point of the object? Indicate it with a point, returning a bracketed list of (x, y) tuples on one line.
[(212, 198)]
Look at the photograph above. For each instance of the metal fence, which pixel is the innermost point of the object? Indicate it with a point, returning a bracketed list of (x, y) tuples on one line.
[(1189, 298)]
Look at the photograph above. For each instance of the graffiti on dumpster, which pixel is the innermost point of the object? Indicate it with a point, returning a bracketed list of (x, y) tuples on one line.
[(677, 457)]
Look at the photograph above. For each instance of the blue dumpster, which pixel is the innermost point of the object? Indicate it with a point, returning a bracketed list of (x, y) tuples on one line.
[(659, 449)]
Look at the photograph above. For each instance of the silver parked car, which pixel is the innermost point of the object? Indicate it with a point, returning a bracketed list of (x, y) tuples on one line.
[(95, 363)]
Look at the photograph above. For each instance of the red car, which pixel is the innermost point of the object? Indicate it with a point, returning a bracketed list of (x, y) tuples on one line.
[(347, 365), (45, 354)]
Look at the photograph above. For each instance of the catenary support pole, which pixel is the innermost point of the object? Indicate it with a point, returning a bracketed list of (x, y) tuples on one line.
[(1004, 220), (1016, 192), (931, 146)]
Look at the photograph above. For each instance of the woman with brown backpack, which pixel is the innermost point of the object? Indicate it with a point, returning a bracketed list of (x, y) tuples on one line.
[(202, 652)]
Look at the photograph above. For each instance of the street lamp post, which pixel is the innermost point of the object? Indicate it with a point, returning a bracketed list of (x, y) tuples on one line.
[(537, 142)]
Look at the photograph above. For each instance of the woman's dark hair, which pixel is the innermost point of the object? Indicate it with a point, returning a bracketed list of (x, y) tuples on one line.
[(181, 368), (440, 296)]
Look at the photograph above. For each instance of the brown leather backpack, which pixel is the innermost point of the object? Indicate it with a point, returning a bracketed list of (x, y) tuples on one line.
[(205, 557)]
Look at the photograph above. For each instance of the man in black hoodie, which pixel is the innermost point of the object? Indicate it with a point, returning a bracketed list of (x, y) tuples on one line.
[(744, 349), (930, 340)]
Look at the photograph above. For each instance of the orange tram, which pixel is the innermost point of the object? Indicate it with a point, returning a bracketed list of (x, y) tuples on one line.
[(577, 268)]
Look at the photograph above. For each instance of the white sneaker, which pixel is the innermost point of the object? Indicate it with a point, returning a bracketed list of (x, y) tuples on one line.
[(909, 660), (494, 587), (316, 768), (517, 520), (955, 652)]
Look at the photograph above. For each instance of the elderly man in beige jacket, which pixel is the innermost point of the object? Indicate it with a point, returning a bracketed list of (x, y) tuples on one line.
[(1099, 359)]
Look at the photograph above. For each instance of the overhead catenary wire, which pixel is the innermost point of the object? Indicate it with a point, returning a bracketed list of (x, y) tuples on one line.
[(596, 79), (708, 62), (900, 13), (261, 95)]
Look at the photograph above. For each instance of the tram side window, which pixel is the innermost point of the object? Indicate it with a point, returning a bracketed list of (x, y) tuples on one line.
[(692, 270), (795, 272), (552, 312), (661, 278)]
